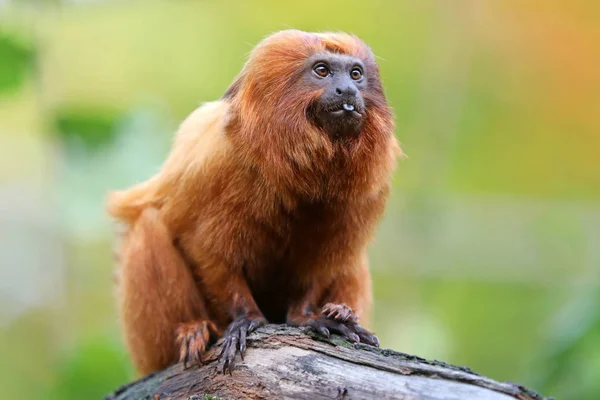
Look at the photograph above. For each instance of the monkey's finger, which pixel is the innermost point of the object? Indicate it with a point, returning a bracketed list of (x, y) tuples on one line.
[(198, 349), (226, 360), (342, 329), (328, 308), (199, 354), (233, 346), (366, 336), (343, 316), (353, 337), (255, 323), (369, 339), (224, 347), (242, 342), (229, 344), (349, 316), (347, 333), (191, 344), (183, 351), (225, 365), (318, 326), (230, 354)]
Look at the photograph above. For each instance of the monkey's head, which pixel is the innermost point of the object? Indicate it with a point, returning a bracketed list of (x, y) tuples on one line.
[(303, 98)]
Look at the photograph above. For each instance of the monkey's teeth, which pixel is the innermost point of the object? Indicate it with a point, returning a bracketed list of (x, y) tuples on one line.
[(348, 107)]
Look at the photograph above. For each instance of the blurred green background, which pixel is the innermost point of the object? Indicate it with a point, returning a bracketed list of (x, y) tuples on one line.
[(489, 254)]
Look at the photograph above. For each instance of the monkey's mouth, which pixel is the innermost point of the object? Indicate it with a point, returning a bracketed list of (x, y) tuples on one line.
[(345, 109), (339, 117)]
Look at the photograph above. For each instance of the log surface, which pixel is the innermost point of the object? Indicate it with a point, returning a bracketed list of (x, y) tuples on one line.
[(290, 363)]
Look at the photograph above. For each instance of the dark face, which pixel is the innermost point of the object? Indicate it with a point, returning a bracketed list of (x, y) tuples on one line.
[(340, 109)]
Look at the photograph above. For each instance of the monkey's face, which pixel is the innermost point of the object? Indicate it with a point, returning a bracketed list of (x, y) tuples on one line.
[(340, 78)]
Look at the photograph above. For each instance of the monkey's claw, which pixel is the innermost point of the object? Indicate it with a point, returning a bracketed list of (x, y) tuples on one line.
[(340, 319), (234, 339), (192, 339)]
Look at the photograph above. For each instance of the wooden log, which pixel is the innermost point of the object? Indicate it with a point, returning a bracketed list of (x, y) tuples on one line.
[(290, 363)]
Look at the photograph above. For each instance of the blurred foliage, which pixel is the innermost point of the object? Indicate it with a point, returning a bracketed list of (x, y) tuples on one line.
[(92, 127), (17, 62), (90, 371), (488, 255), (571, 351)]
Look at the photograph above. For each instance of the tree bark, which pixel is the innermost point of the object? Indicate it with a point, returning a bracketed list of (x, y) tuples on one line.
[(289, 363)]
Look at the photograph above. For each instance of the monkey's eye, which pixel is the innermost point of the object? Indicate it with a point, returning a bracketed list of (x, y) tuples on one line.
[(321, 70), (356, 74)]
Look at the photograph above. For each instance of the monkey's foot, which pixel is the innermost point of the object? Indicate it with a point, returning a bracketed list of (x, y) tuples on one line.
[(234, 339), (192, 339), (339, 312), (340, 319)]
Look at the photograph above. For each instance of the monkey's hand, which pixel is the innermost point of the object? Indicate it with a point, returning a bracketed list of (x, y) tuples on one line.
[(340, 319), (234, 339), (192, 339)]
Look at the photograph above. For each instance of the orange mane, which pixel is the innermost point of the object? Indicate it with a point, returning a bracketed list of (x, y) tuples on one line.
[(270, 128)]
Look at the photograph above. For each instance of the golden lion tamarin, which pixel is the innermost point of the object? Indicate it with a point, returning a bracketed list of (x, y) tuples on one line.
[(264, 207)]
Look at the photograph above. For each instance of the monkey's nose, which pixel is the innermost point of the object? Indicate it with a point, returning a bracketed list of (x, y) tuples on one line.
[(348, 90)]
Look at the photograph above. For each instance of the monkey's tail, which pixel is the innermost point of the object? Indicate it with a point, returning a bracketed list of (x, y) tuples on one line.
[(127, 205)]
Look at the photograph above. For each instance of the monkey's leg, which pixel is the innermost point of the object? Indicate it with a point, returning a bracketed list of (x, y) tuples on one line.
[(162, 311), (332, 310)]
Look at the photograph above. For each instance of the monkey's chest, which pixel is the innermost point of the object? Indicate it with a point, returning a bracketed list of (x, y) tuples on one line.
[(303, 263), (275, 292)]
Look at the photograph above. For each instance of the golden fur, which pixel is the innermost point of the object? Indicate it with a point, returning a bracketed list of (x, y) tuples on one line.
[(255, 211)]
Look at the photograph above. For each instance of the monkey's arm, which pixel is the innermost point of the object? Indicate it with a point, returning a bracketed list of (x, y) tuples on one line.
[(232, 299), (338, 306)]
